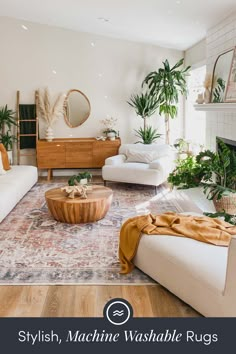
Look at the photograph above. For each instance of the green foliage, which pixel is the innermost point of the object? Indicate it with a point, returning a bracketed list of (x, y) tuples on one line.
[(75, 179), (223, 178), (109, 130), (148, 135), (188, 173), (167, 83), (6, 118), (7, 140), (226, 217), (181, 145), (218, 91), (145, 105), (215, 171)]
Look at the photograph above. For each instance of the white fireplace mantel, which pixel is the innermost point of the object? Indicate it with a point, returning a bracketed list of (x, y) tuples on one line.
[(220, 107)]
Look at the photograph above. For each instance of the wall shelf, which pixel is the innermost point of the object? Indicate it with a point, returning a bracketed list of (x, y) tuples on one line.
[(220, 107)]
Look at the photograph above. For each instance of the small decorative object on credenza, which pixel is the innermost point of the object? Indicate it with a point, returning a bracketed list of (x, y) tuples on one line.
[(103, 138), (83, 178), (109, 124), (50, 113)]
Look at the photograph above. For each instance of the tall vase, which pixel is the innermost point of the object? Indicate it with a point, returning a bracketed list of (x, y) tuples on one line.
[(207, 95), (49, 134)]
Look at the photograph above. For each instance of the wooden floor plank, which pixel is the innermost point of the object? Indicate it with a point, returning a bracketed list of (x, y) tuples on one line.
[(138, 297), (104, 294), (89, 301), (166, 304)]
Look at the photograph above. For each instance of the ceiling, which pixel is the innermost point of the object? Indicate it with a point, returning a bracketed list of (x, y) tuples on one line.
[(175, 24)]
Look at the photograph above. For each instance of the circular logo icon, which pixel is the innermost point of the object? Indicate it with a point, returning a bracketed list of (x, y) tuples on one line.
[(118, 311)]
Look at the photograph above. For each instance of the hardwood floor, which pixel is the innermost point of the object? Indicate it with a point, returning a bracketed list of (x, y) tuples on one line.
[(86, 300), (89, 301)]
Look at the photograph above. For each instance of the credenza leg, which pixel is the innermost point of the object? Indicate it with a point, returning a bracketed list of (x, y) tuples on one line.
[(50, 174), (105, 183)]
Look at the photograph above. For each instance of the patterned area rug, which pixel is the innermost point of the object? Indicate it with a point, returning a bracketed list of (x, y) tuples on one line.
[(36, 249)]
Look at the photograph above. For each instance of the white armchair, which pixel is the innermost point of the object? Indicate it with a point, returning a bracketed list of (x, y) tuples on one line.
[(139, 163)]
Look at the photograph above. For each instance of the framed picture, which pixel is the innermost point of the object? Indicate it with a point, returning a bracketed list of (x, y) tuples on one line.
[(230, 93)]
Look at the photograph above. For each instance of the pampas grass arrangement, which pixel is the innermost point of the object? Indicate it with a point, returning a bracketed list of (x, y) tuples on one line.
[(207, 85), (48, 111), (208, 81)]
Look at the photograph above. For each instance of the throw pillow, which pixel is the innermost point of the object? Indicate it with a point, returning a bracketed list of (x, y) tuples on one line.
[(5, 160), (2, 171), (140, 156)]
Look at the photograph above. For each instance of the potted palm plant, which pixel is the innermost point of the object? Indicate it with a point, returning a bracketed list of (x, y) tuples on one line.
[(168, 83), (145, 106), (7, 120)]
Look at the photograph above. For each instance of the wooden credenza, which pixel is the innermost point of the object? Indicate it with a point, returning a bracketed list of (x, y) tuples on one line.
[(74, 153)]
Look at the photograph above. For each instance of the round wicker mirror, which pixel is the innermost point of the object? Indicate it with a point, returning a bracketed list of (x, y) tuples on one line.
[(77, 108)]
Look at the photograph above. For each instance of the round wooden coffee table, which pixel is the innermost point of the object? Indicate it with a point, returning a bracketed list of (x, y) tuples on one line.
[(76, 211)]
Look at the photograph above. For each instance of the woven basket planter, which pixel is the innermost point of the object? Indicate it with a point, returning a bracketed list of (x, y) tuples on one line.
[(226, 204)]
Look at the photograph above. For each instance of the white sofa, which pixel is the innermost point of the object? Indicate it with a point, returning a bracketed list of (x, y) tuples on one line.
[(202, 275), (119, 169), (14, 185)]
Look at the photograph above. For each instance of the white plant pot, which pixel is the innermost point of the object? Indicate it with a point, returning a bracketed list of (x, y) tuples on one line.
[(111, 136), (49, 134), (84, 181)]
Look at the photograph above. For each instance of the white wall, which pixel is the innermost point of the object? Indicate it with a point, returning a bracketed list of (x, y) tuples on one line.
[(112, 67), (196, 54), (219, 39)]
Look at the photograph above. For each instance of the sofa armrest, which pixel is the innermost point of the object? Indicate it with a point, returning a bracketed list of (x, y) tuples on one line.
[(115, 160)]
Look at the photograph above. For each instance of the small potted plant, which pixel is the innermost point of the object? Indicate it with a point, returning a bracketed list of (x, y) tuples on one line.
[(82, 178), (109, 124)]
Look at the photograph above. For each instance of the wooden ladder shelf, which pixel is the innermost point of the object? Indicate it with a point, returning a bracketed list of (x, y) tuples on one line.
[(26, 129)]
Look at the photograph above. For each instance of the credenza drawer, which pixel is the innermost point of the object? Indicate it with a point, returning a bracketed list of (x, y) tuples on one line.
[(51, 155), (79, 154)]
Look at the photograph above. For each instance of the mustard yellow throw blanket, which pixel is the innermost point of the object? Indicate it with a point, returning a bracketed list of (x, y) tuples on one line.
[(200, 228)]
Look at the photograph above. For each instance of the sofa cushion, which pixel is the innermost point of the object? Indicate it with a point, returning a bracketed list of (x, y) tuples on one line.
[(5, 160), (140, 156), (14, 185), (159, 150)]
